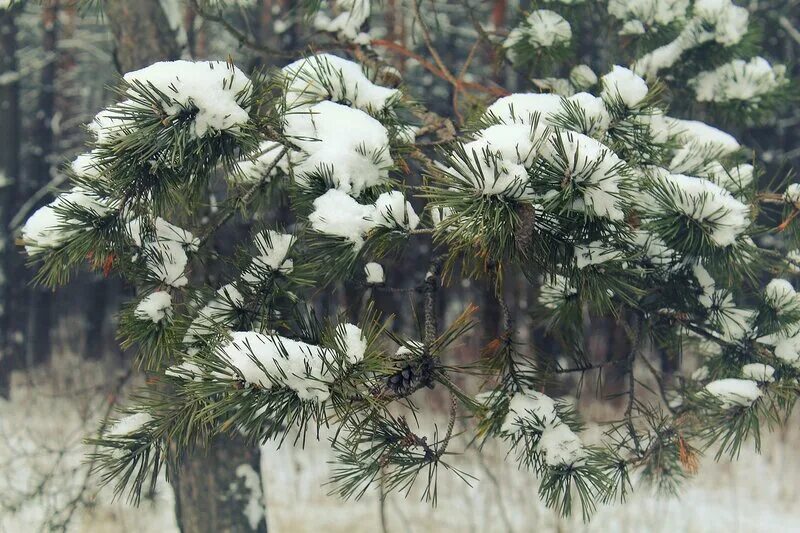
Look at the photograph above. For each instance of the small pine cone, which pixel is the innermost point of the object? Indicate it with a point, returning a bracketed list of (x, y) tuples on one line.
[(523, 237)]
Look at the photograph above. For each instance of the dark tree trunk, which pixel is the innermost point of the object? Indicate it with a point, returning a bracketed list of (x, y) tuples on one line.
[(219, 489), (12, 322), (40, 312)]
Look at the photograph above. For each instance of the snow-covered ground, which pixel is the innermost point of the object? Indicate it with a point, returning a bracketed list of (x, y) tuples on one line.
[(42, 472)]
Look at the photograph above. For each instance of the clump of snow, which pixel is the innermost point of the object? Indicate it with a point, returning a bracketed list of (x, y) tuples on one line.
[(582, 76), (348, 23), (594, 171), (155, 306), (273, 361), (525, 107), (529, 408), (713, 20), (346, 144), (759, 372), (728, 20), (374, 273), (87, 166), (328, 77), (594, 118), (781, 296), (747, 81), (621, 83), (786, 345), (642, 13), (335, 213), (792, 194), (340, 215), (701, 374), (273, 248), (722, 217), (215, 89), (130, 424), (543, 28), (732, 392), (393, 210), (560, 445), (355, 346), (47, 228), (164, 246)]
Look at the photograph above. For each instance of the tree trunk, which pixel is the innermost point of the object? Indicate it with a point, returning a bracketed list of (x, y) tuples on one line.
[(219, 489), (215, 488), (12, 324), (40, 312), (142, 33)]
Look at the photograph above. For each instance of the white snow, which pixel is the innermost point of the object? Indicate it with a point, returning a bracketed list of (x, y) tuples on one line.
[(47, 229), (595, 172), (523, 107), (338, 214), (272, 360), (543, 28), (272, 247), (254, 509), (374, 273), (529, 408), (347, 143), (328, 77), (733, 392), (355, 346), (215, 315), (722, 217), (352, 16), (621, 83), (560, 445), (649, 12), (155, 306), (742, 80), (758, 372), (554, 292), (129, 424), (792, 194), (781, 296), (582, 76), (214, 88), (164, 247), (393, 210)]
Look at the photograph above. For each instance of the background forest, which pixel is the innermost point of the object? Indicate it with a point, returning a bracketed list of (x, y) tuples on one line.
[(62, 370)]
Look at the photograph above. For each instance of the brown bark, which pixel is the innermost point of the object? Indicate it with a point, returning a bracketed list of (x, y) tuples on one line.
[(211, 489)]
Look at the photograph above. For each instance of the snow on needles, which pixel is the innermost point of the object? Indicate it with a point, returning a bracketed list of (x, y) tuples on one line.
[(155, 306), (732, 392), (274, 361), (215, 89), (328, 77), (347, 145), (47, 227), (340, 215), (531, 409), (722, 217), (164, 247)]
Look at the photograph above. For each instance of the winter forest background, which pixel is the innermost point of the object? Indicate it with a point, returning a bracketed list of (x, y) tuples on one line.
[(63, 372)]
